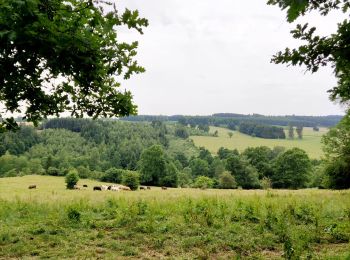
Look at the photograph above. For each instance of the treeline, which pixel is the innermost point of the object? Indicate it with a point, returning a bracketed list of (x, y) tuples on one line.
[(236, 119), (155, 154), (263, 131)]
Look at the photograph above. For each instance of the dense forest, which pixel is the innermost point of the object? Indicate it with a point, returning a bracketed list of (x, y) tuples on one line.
[(263, 131), (158, 153)]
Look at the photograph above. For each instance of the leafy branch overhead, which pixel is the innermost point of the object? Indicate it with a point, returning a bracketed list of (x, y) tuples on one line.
[(60, 56), (319, 51)]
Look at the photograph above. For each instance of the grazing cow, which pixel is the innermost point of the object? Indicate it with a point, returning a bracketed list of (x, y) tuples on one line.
[(109, 187), (148, 187), (126, 188), (104, 187), (76, 187), (32, 186), (164, 188), (115, 188), (142, 188), (97, 188), (85, 186)]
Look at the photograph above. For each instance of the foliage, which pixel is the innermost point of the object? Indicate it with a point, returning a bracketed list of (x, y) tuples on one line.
[(337, 149), (184, 178), (291, 169), (203, 182), (152, 165), (263, 131), (299, 130), (113, 175), (260, 157), (227, 181), (224, 153), (245, 175), (290, 131), (170, 178), (74, 41), (71, 179), (199, 167), (181, 132), (319, 51), (131, 179)]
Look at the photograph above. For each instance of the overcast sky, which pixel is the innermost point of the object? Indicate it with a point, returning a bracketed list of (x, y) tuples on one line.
[(204, 57)]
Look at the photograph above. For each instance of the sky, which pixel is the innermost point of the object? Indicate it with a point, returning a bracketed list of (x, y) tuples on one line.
[(203, 57)]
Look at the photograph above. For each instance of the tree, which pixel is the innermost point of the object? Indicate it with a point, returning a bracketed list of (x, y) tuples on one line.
[(152, 165), (319, 51), (131, 179), (299, 131), (203, 182), (230, 134), (61, 55), (291, 169), (199, 167), (290, 131), (227, 181), (181, 132), (72, 179), (184, 178), (337, 150), (260, 157), (113, 175), (245, 175), (169, 179)]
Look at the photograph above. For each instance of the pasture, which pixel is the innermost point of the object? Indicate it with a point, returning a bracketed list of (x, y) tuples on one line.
[(311, 142), (51, 221)]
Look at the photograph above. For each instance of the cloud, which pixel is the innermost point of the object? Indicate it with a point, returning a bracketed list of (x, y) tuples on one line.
[(204, 57)]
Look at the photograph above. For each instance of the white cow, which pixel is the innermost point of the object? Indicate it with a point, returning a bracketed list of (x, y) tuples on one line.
[(104, 187), (115, 188)]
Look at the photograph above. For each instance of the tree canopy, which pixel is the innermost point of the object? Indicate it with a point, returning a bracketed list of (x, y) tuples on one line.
[(319, 51), (64, 55)]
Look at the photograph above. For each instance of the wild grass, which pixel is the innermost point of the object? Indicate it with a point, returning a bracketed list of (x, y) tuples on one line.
[(311, 141), (176, 223)]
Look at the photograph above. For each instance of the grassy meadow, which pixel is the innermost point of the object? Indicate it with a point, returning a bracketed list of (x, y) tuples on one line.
[(311, 141), (175, 223)]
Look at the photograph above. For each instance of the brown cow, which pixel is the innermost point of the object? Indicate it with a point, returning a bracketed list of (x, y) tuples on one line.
[(164, 188), (148, 187), (142, 188), (33, 186)]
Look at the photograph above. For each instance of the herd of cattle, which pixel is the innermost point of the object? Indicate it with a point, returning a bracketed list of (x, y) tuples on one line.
[(105, 187)]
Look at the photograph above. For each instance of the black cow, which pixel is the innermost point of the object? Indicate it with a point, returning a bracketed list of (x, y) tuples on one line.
[(97, 188)]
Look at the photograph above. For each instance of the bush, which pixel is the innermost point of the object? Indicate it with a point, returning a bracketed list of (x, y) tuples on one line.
[(72, 179), (227, 181), (203, 182), (113, 175), (53, 171), (131, 179)]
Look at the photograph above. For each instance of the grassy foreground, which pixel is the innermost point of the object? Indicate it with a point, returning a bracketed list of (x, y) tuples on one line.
[(311, 141), (177, 223)]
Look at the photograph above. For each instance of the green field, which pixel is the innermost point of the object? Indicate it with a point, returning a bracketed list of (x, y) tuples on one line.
[(52, 222), (311, 141)]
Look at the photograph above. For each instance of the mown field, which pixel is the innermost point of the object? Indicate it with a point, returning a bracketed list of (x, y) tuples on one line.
[(177, 223), (311, 141)]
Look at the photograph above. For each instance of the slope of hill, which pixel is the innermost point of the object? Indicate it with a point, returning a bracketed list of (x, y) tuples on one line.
[(311, 141)]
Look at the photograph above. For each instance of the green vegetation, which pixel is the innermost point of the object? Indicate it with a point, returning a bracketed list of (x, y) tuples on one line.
[(311, 142), (177, 223), (71, 179), (63, 39)]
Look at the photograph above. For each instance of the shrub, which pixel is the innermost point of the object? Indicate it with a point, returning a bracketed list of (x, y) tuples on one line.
[(53, 171), (227, 181), (72, 179), (113, 175), (131, 179), (203, 182)]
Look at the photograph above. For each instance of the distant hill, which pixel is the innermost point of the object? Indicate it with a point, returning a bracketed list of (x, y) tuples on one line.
[(236, 119)]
